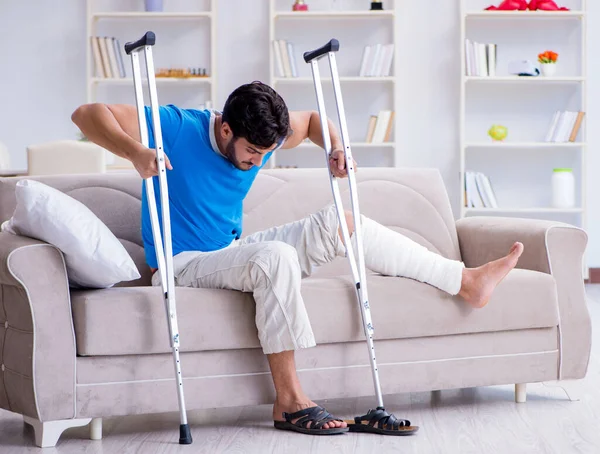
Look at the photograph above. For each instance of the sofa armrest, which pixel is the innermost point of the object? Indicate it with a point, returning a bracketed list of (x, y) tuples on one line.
[(551, 247), (37, 341)]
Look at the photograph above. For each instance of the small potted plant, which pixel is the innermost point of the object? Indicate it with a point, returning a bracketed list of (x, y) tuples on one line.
[(548, 62)]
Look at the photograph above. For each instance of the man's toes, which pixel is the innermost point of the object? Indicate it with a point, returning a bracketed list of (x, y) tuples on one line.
[(334, 425)]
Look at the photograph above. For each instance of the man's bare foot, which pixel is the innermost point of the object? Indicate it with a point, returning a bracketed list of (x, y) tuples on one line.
[(293, 405), (479, 283)]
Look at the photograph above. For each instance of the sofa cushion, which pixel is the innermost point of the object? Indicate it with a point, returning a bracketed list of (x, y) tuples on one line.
[(121, 321)]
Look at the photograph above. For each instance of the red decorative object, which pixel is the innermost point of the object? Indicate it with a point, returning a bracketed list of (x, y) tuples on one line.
[(521, 5), (546, 5), (299, 5), (509, 5)]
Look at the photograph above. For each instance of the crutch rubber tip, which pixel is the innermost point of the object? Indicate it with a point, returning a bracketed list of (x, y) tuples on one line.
[(185, 436)]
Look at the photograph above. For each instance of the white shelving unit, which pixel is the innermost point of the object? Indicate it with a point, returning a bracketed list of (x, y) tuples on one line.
[(106, 18), (355, 26), (520, 167)]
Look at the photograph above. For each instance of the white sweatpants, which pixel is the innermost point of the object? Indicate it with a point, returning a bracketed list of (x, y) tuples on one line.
[(271, 264)]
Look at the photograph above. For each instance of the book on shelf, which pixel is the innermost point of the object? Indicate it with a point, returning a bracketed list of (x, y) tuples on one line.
[(564, 126), (379, 128), (478, 191), (108, 57), (377, 60), (285, 60), (480, 58)]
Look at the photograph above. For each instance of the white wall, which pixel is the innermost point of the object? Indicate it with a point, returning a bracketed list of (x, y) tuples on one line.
[(43, 75), (43, 80)]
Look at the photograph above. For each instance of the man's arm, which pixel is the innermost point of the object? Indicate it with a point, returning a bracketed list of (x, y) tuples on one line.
[(307, 124), (115, 128), (112, 126)]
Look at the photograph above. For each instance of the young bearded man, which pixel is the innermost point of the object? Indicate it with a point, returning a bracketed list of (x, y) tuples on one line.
[(212, 161)]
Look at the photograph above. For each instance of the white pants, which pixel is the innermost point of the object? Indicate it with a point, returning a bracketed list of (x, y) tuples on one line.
[(271, 264)]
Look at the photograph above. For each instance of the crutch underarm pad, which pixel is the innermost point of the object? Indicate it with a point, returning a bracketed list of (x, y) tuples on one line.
[(332, 46), (147, 40)]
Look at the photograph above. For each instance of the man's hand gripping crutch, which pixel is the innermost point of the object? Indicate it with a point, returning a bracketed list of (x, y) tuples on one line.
[(164, 253), (387, 424)]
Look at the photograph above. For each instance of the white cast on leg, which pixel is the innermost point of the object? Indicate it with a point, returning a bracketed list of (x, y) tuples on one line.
[(393, 254)]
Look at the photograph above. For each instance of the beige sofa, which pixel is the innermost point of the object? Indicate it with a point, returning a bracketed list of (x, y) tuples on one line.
[(72, 357)]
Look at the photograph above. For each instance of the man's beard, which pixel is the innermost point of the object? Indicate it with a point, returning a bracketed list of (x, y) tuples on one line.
[(230, 154)]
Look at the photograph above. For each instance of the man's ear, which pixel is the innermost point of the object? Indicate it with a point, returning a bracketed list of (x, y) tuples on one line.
[(226, 132)]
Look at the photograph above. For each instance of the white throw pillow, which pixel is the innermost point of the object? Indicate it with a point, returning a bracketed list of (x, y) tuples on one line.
[(94, 256)]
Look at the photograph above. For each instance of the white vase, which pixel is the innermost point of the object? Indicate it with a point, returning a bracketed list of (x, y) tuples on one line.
[(548, 69), (563, 188)]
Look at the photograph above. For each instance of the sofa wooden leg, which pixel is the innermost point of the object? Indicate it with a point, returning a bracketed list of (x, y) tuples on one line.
[(521, 393), (47, 433), (96, 429)]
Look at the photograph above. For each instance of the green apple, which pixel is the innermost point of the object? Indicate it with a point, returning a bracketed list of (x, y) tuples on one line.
[(498, 132)]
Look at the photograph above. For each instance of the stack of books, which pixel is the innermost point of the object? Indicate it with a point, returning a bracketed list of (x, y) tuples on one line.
[(380, 126), (377, 60), (108, 57), (480, 59), (285, 60), (564, 126), (478, 191)]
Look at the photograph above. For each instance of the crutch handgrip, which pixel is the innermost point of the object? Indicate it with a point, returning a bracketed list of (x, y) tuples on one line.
[(332, 46), (148, 39)]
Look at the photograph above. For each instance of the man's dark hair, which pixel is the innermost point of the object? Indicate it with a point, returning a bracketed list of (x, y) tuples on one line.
[(257, 113)]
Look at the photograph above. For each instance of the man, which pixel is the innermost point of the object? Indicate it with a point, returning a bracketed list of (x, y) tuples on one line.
[(213, 158)]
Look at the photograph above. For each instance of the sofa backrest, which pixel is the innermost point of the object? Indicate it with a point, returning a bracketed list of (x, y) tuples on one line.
[(411, 201)]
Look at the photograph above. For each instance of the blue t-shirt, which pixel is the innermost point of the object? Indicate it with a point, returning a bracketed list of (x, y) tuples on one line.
[(206, 191)]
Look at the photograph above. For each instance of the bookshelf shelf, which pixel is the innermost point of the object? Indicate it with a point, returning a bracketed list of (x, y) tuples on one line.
[(366, 66), (523, 79), (555, 15), (539, 111), (353, 145), (159, 80), (520, 145), (152, 16), (342, 79), (332, 14)]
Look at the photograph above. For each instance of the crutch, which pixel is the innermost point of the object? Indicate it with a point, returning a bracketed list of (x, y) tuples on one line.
[(357, 263), (164, 253)]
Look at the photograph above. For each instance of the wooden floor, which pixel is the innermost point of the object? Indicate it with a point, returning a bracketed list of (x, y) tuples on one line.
[(481, 420)]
